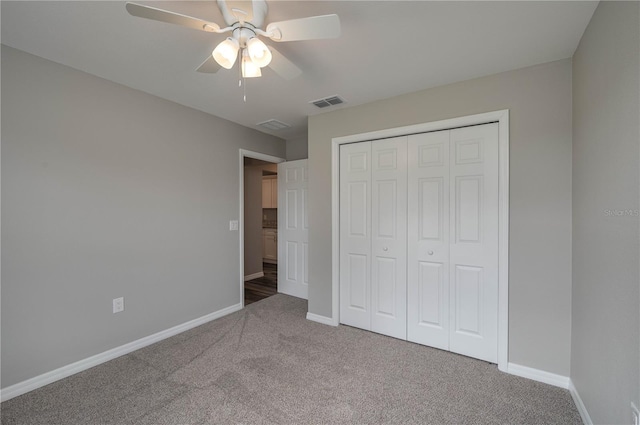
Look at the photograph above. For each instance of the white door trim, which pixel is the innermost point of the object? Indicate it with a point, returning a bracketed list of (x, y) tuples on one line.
[(255, 155), (502, 117)]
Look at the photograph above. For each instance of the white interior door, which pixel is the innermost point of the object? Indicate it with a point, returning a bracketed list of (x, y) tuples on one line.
[(419, 238), (355, 235), (428, 244), (389, 237), (474, 241), (293, 229)]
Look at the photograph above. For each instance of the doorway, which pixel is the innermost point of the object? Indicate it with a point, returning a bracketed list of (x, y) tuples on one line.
[(259, 223)]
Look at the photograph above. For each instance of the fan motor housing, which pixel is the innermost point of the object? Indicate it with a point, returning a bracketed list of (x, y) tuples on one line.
[(243, 34)]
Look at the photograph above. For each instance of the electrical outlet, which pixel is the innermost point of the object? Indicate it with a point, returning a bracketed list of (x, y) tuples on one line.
[(635, 414), (233, 225), (118, 305)]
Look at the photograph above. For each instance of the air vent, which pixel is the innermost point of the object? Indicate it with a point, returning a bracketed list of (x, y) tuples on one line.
[(273, 125), (328, 101)]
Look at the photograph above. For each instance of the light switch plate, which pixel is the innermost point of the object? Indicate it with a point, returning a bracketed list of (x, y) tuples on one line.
[(233, 225)]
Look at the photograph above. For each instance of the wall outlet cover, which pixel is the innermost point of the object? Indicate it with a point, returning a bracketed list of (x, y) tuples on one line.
[(118, 305), (233, 225)]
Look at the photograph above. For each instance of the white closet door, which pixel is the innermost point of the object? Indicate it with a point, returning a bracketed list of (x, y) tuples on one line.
[(355, 235), (293, 229), (428, 239), (419, 238), (474, 241), (389, 237)]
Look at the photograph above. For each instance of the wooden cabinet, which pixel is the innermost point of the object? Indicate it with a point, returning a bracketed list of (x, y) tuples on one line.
[(270, 192), (270, 245)]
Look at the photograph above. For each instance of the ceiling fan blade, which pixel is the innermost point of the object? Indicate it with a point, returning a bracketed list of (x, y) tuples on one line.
[(161, 15), (209, 66), (312, 28), (283, 66)]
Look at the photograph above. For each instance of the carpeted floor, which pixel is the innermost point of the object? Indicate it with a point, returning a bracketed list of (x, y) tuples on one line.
[(268, 364)]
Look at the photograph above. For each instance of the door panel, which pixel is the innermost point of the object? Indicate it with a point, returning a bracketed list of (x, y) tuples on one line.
[(386, 205), (305, 209), (291, 266), (428, 239), (468, 286), (358, 206), (355, 237), (293, 235), (468, 190), (291, 205), (474, 242), (430, 208), (386, 280), (432, 289), (358, 295), (389, 236)]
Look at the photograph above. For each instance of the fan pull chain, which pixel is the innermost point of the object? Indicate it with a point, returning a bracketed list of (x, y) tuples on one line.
[(240, 69), (244, 89), (242, 82)]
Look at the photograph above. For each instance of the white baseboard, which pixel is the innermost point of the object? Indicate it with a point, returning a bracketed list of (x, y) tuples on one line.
[(321, 319), (586, 419), (73, 368), (253, 276), (539, 375)]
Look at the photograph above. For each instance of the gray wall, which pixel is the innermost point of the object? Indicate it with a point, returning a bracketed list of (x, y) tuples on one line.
[(252, 219), (605, 354), (109, 192), (539, 99), (297, 149)]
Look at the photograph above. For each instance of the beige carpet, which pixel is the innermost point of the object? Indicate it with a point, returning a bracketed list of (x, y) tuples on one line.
[(268, 364)]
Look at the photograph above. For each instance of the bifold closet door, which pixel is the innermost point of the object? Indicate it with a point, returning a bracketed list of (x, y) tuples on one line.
[(373, 231), (428, 239), (355, 235), (473, 267), (419, 238), (453, 240), (389, 237)]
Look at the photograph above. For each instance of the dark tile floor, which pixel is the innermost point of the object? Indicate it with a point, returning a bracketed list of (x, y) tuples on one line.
[(262, 287)]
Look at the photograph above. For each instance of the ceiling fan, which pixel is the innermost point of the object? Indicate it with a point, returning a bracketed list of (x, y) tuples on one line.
[(244, 20)]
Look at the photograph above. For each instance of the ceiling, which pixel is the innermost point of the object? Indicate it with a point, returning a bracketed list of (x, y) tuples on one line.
[(387, 48)]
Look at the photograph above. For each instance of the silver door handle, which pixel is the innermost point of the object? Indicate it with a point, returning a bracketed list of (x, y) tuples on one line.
[(430, 253), (385, 249)]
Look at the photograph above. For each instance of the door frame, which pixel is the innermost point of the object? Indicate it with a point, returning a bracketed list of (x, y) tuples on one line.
[(243, 153), (502, 118)]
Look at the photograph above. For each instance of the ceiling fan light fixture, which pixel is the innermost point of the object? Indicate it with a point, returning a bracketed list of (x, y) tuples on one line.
[(226, 52), (259, 52), (249, 68), (244, 20)]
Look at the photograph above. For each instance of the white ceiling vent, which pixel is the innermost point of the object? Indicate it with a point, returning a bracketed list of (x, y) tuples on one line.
[(273, 125), (328, 101)]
